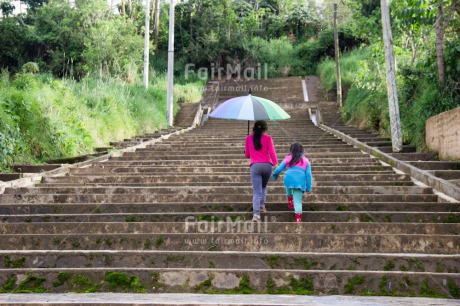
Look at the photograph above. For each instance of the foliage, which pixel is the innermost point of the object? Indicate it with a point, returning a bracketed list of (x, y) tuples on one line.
[(42, 117), (420, 96)]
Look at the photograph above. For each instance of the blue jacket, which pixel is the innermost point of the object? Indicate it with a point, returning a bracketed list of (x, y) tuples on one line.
[(297, 177)]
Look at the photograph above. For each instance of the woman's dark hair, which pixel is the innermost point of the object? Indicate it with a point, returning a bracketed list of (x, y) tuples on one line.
[(296, 152), (259, 128)]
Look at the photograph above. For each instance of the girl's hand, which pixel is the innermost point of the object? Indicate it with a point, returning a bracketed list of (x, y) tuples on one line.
[(308, 193)]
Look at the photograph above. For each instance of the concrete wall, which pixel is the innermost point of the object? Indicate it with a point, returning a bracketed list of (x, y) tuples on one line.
[(443, 134)]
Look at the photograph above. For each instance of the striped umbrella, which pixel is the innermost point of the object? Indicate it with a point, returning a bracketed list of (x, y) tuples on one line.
[(249, 108)]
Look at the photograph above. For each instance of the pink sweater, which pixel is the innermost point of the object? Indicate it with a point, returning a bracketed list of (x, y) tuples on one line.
[(265, 155)]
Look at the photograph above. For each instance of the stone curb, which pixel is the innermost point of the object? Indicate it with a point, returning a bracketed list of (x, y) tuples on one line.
[(31, 179), (421, 175), (212, 299)]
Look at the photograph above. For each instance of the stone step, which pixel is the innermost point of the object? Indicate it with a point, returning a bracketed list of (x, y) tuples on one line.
[(405, 149), (415, 156), (348, 170), (242, 190), (150, 155), (34, 168), (245, 242), (235, 151), (75, 159), (6, 177), (279, 216), (221, 183), (107, 208), (283, 141), (243, 166), (206, 198), (239, 147), (447, 174), (436, 165), (213, 224), (114, 161), (225, 281), (231, 260), (134, 178)]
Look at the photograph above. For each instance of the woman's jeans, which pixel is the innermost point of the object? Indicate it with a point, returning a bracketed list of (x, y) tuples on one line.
[(260, 175)]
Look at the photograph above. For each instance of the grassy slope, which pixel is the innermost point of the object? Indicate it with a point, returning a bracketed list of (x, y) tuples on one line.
[(43, 117)]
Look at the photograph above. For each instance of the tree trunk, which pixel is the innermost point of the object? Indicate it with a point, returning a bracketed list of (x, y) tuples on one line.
[(152, 15), (191, 21), (146, 45), (157, 22), (440, 45), (442, 22), (337, 64), (123, 12)]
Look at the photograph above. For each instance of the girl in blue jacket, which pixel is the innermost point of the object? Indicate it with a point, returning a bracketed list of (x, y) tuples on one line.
[(297, 179)]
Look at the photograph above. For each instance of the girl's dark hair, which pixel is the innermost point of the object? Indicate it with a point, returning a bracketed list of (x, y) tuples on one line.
[(259, 128), (296, 152)]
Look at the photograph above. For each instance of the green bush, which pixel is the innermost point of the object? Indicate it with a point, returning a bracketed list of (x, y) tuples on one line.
[(278, 54)]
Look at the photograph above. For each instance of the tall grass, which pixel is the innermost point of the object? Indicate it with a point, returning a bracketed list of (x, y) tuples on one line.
[(43, 117), (350, 63)]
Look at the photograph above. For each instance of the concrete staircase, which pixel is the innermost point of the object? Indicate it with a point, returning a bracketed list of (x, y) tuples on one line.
[(175, 217), (428, 161)]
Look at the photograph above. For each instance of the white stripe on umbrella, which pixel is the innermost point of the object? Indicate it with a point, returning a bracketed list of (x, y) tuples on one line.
[(247, 109)]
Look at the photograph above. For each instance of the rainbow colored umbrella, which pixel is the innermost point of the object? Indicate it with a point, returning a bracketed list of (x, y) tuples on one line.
[(249, 108)]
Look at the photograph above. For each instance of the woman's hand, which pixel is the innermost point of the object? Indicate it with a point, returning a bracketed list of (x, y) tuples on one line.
[(308, 193)]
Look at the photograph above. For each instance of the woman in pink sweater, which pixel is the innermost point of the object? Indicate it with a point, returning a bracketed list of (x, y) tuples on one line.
[(260, 150)]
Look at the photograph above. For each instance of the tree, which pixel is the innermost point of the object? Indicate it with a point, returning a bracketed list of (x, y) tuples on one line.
[(6, 8), (443, 17), (34, 4)]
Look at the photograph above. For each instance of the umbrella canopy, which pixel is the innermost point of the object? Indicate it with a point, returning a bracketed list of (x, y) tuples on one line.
[(249, 108)]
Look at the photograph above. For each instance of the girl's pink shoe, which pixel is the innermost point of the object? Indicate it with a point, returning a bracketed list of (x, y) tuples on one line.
[(298, 217), (290, 202)]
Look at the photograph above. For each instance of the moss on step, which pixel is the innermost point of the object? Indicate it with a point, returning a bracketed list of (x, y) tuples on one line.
[(426, 290), (159, 241), (366, 218), (32, 284), (147, 244), (16, 263), (62, 278), (83, 285), (389, 266), (301, 286), (272, 261), (352, 282), (453, 288), (342, 208), (119, 280), (204, 286), (451, 219)]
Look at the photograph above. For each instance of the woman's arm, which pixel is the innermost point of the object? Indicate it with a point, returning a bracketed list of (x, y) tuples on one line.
[(271, 151), (246, 148)]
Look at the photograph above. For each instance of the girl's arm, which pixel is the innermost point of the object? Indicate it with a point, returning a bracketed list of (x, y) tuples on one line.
[(278, 170), (271, 151), (246, 148), (308, 178)]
